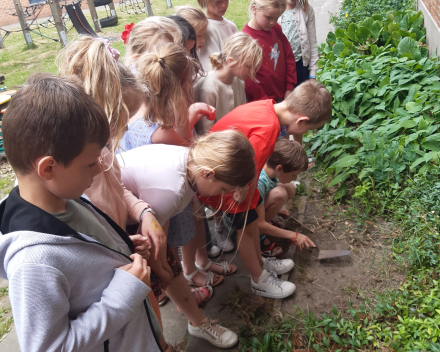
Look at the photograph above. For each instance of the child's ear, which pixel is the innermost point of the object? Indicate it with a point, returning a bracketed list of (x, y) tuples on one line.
[(208, 174), (279, 168), (45, 167), (229, 60), (302, 119)]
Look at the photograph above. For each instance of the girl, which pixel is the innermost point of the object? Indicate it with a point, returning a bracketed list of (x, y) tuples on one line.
[(223, 87), (298, 24), (167, 82), (198, 20), (168, 177), (277, 74)]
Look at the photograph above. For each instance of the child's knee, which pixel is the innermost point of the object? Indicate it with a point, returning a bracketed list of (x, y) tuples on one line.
[(290, 189), (279, 195)]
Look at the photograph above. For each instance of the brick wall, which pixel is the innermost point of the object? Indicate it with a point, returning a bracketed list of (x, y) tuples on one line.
[(431, 12), (6, 6)]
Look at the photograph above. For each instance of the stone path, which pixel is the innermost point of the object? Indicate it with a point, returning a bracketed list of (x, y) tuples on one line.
[(175, 325)]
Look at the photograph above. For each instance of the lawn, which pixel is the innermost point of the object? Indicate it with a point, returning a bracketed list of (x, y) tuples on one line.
[(17, 62)]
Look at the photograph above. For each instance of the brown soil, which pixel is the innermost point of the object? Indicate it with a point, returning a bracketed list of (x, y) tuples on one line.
[(322, 284)]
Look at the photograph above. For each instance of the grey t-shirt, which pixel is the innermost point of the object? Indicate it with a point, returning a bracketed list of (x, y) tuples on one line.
[(83, 221)]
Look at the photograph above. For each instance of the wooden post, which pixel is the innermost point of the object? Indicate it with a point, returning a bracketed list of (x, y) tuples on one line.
[(94, 15), (2, 43), (112, 9), (148, 7), (169, 4), (55, 8), (23, 24)]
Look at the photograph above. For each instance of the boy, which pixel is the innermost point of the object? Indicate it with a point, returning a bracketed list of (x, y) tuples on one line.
[(287, 161), (308, 107), (74, 283), (219, 29)]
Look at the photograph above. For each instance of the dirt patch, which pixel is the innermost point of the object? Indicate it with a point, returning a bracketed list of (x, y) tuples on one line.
[(357, 277), (7, 178)]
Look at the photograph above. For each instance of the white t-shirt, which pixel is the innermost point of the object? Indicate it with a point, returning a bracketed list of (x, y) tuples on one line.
[(223, 97), (157, 174), (215, 36)]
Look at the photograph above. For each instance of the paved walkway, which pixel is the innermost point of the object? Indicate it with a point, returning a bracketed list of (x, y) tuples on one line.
[(175, 325)]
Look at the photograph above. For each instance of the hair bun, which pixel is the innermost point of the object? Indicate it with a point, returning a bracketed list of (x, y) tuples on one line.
[(161, 60)]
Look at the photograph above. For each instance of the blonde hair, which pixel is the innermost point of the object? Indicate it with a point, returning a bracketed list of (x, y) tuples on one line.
[(261, 5), (243, 49), (194, 16), (204, 3), (149, 32), (311, 99), (228, 154), (166, 71), (104, 79)]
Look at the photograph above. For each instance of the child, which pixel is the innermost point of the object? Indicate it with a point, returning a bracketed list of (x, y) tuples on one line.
[(287, 161), (277, 74), (70, 268), (198, 20), (219, 29), (308, 107), (223, 87), (298, 24), (167, 177), (161, 69)]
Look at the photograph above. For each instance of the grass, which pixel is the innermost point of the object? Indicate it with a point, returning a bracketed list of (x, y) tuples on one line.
[(17, 61)]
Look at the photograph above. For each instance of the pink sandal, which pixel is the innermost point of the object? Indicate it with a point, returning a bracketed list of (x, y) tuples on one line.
[(202, 294)]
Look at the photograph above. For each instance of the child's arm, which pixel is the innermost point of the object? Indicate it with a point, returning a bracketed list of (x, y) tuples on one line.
[(40, 295), (301, 241), (289, 59)]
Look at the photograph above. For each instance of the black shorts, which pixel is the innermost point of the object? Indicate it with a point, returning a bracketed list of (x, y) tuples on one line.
[(238, 219)]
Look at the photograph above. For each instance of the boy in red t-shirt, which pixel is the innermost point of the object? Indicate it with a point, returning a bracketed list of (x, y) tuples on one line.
[(308, 107), (277, 74)]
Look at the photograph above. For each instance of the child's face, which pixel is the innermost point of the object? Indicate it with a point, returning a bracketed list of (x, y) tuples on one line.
[(286, 177), (70, 182), (189, 44), (217, 11), (242, 72), (208, 186), (201, 37), (266, 18)]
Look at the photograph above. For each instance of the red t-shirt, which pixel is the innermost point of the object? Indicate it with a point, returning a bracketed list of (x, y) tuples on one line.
[(259, 122), (278, 69)]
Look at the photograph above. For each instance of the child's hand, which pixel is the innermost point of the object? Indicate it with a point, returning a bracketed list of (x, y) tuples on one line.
[(138, 268), (152, 229), (141, 245), (303, 241), (199, 110), (164, 275)]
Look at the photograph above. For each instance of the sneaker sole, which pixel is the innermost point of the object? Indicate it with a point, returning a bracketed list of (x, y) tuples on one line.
[(201, 336), (270, 295)]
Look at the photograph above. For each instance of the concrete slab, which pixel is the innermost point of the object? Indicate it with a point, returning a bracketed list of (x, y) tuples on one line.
[(323, 8)]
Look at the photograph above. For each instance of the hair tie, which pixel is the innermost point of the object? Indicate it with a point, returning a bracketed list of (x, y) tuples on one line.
[(126, 33), (161, 61), (220, 55), (113, 52)]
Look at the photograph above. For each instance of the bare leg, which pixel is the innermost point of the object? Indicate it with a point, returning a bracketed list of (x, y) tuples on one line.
[(247, 249), (274, 201), (181, 295)]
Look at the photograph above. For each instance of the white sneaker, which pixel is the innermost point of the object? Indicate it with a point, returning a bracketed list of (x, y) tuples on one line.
[(270, 286), (279, 266), (214, 252), (218, 335), (223, 237)]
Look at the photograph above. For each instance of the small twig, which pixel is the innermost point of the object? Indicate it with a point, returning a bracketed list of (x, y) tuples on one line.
[(317, 222), (302, 224), (333, 235), (322, 287)]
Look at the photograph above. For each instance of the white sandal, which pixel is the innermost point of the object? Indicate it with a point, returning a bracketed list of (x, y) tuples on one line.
[(226, 268), (209, 280)]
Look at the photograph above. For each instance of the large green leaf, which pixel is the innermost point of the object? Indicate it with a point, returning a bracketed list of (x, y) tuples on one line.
[(376, 29), (413, 107), (404, 23), (362, 35), (346, 161), (408, 124), (338, 48), (331, 38), (410, 48), (368, 140), (340, 33)]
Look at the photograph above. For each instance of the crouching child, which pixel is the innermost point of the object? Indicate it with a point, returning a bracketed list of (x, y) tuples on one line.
[(74, 282)]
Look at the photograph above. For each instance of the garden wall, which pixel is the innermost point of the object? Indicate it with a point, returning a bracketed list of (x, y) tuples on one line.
[(431, 11)]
